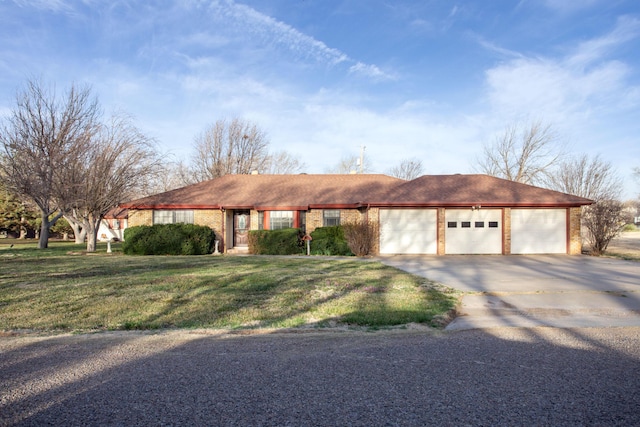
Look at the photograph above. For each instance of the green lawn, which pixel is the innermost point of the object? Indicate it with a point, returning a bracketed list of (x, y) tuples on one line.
[(63, 289)]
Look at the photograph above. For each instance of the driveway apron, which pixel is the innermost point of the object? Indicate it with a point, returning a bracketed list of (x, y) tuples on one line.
[(536, 290)]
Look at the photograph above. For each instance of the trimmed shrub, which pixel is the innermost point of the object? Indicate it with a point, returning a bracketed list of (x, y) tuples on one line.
[(168, 239), (329, 241), (287, 241), (361, 237)]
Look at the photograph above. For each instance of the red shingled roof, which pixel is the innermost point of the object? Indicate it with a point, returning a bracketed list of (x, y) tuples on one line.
[(301, 192), (472, 190), (270, 191)]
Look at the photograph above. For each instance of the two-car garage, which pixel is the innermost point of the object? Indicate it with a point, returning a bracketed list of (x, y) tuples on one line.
[(474, 231)]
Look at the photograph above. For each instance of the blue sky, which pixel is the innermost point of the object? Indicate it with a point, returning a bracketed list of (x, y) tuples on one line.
[(427, 79)]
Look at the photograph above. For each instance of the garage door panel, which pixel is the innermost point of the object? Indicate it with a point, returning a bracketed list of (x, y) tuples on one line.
[(473, 231), (408, 231), (538, 231)]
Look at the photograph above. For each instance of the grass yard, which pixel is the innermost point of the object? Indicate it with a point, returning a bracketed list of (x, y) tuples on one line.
[(61, 289), (625, 246)]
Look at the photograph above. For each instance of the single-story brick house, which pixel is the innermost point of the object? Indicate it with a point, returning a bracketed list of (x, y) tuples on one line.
[(433, 214)]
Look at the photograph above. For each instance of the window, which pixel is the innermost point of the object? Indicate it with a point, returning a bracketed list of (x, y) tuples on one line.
[(479, 224), (280, 219), (493, 224), (465, 224), (185, 217), (163, 217), (452, 224), (330, 217), (116, 224), (172, 217)]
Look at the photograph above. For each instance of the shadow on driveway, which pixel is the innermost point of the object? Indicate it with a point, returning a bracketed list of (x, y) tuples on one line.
[(534, 290)]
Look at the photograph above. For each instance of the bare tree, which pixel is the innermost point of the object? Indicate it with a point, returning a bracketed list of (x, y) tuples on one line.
[(115, 165), (597, 180), (170, 175), (604, 220), (40, 138), (235, 147), (407, 169), (582, 176), (282, 162), (523, 153)]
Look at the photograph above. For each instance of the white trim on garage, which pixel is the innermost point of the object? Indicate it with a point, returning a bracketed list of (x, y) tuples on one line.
[(473, 231), (408, 231), (538, 231)]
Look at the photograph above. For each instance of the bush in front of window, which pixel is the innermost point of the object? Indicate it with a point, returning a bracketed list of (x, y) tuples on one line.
[(168, 239), (329, 241), (287, 241)]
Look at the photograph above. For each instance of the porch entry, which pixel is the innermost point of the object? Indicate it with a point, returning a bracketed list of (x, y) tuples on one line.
[(241, 226)]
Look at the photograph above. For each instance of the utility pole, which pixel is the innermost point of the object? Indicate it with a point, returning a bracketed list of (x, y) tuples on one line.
[(361, 160)]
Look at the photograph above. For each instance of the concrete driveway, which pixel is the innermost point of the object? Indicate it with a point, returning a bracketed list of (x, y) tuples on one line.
[(536, 290)]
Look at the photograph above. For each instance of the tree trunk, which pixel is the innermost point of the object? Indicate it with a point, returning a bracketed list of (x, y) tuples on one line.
[(23, 228), (43, 241), (79, 232), (91, 228), (80, 235)]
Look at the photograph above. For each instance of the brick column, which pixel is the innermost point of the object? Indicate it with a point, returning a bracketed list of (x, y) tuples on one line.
[(575, 238), (506, 231), (441, 231)]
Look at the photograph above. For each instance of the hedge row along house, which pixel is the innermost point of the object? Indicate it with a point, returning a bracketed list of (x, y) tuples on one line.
[(433, 214)]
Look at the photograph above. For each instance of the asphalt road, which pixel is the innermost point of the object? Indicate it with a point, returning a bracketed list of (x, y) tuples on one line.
[(494, 377), (534, 290)]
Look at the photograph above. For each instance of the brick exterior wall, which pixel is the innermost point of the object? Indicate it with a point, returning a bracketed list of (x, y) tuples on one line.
[(314, 220), (140, 218), (215, 218), (373, 215), (350, 215), (211, 218), (254, 220), (575, 238), (506, 231)]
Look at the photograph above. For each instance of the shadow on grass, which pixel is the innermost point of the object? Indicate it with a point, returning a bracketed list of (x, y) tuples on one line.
[(259, 295)]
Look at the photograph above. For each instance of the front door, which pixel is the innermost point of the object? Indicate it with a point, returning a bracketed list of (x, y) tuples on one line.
[(241, 222)]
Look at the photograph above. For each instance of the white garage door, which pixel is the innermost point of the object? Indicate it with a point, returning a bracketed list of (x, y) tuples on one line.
[(538, 231), (470, 231), (408, 231)]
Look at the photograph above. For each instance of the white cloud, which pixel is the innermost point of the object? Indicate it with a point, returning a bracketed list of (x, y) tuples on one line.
[(370, 70), (560, 88), (588, 95), (627, 28), (497, 49), (269, 31)]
